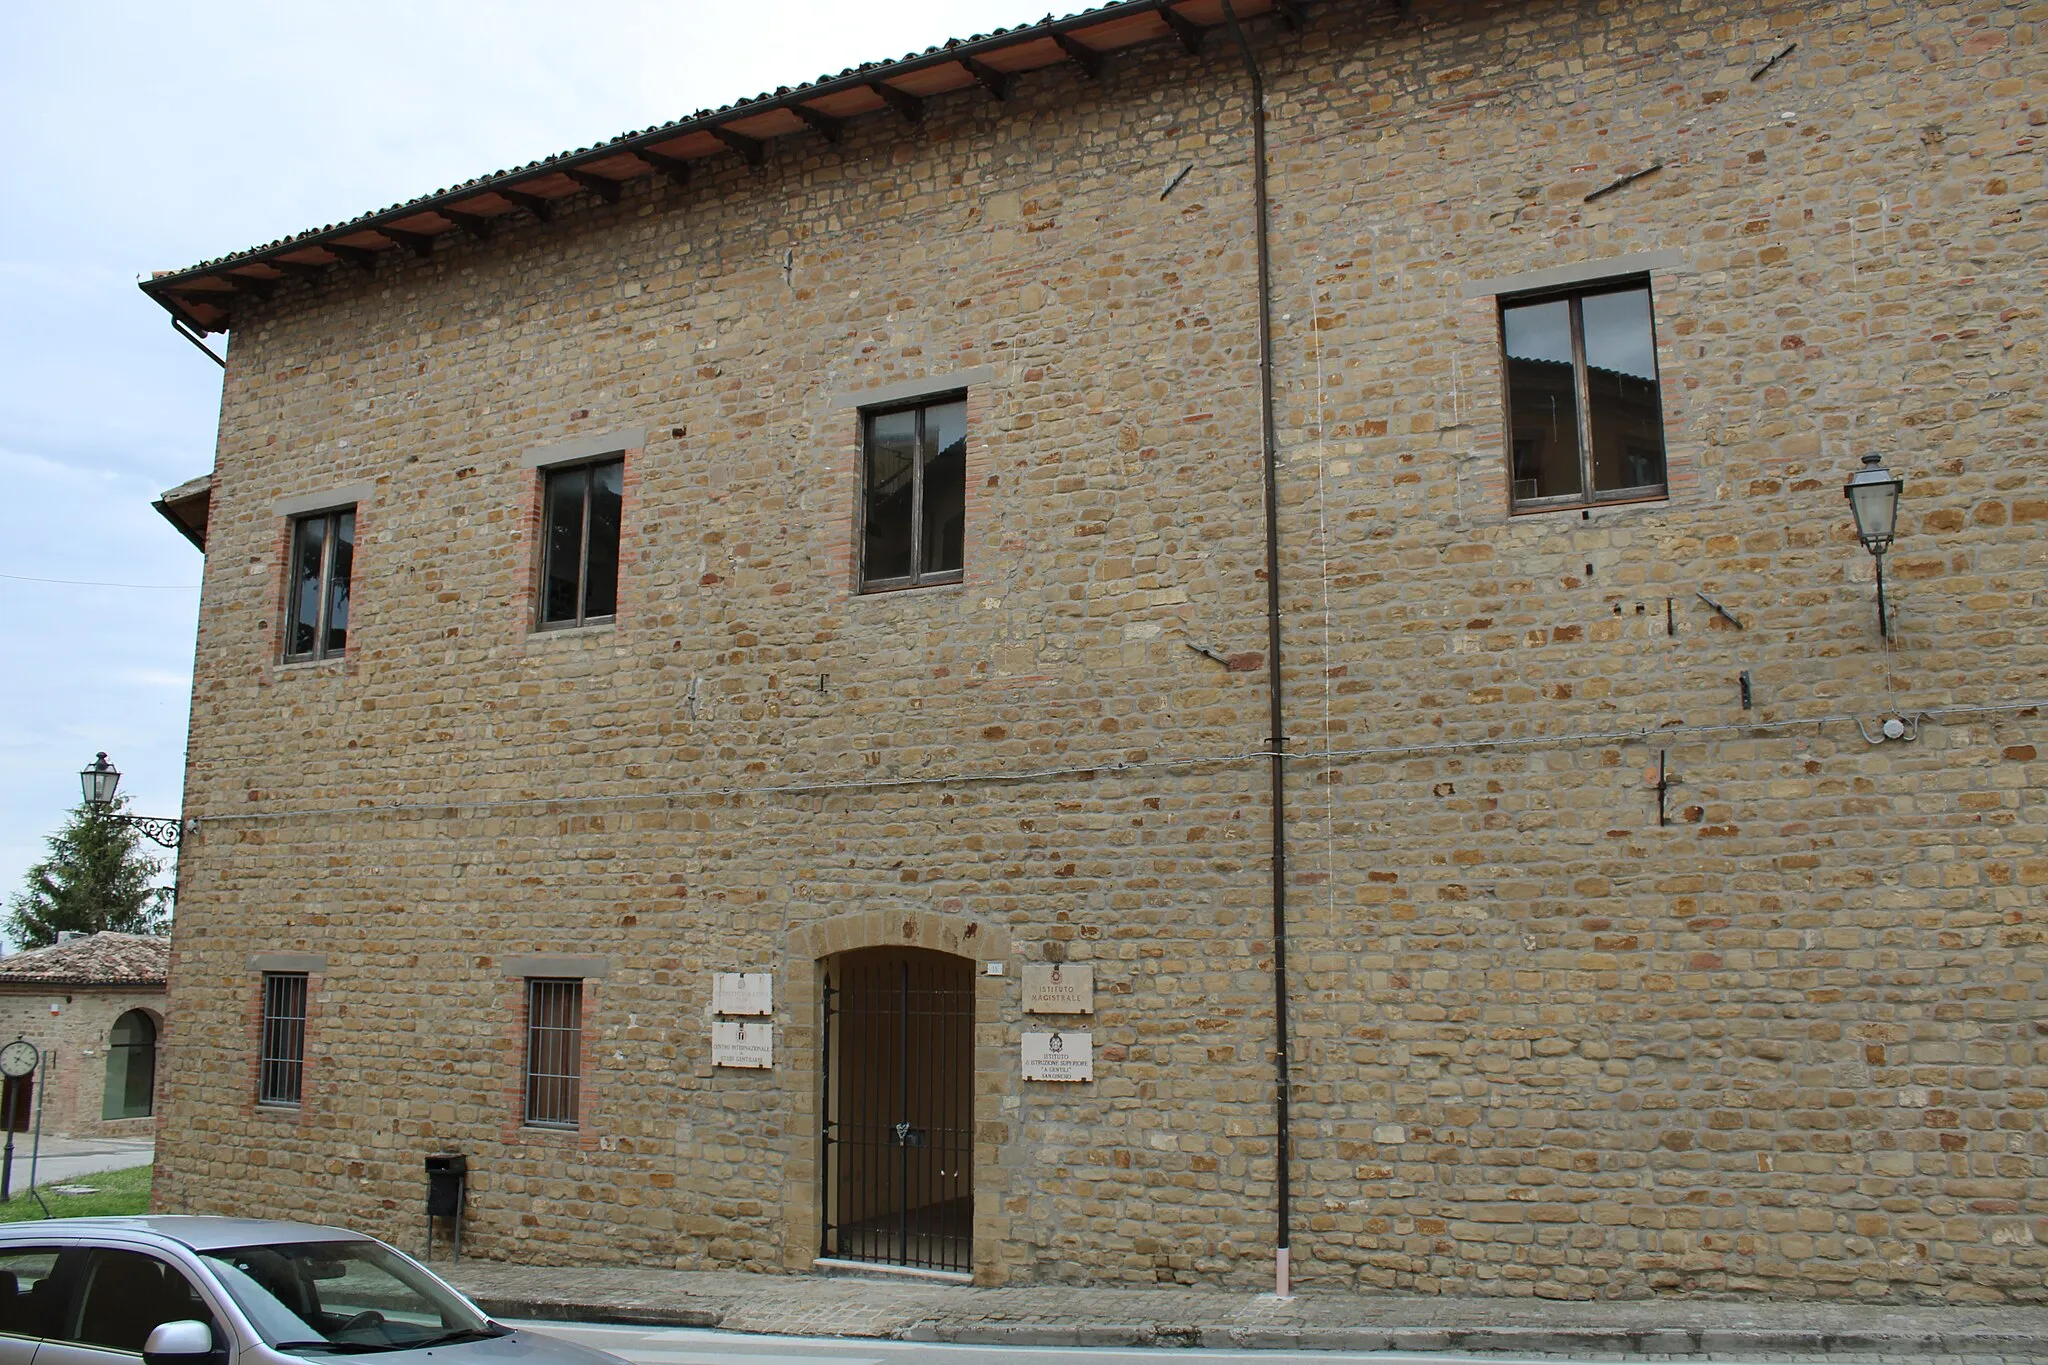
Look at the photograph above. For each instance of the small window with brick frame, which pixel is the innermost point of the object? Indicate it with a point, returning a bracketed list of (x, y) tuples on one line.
[(913, 494), (554, 1051), (1585, 410), (281, 1070), (580, 514), (323, 551)]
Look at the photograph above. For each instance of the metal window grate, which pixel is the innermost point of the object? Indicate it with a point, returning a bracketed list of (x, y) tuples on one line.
[(554, 1049), (282, 1074)]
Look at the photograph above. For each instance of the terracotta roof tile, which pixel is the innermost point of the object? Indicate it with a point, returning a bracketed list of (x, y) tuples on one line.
[(107, 959)]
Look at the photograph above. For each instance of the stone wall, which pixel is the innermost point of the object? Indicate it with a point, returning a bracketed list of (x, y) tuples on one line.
[(1786, 1042)]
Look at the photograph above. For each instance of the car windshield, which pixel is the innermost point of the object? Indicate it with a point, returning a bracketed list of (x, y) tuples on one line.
[(342, 1298)]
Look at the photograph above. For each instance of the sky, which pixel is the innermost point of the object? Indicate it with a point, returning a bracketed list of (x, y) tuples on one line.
[(156, 135)]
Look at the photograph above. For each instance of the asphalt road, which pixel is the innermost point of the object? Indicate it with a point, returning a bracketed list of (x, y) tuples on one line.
[(695, 1346)]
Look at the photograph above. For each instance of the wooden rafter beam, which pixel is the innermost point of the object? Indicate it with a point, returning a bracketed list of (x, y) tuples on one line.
[(752, 148), (832, 129), (252, 286), (1290, 14), (603, 186), (420, 244), (674, 167), (997, 83), (1187, 30), (477, 225), (539, 207), (305, 270), (1091, 60), (362, 256), (910, 106)]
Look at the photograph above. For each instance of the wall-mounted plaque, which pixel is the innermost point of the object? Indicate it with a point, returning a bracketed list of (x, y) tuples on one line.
[(739, 1043), (743, 993), (1059, 988), (1059, 1057)]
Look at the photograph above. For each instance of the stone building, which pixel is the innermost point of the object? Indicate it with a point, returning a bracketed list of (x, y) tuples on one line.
[(93, 1004), (772, 588)]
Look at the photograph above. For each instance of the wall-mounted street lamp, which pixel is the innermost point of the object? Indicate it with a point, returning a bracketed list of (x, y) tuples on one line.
[(1873, 494), (99, 782)]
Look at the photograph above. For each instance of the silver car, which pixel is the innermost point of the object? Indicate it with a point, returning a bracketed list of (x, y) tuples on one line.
[(237, 1291)]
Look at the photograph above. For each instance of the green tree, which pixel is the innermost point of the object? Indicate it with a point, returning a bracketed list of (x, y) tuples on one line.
[(96, 877)]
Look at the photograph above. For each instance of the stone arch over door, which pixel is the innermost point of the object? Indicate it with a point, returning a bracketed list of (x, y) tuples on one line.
[(807, 949)]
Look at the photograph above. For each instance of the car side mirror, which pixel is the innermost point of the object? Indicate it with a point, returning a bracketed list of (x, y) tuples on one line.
[(185, 1342)]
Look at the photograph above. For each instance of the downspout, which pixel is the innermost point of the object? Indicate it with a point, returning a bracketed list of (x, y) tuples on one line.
[(1276, 743)]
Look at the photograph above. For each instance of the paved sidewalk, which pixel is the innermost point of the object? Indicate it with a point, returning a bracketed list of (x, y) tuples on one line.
[(881, 1306), (63, 1160)]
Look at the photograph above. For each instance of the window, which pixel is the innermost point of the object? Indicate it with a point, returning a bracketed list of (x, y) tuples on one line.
[(914, 496), (580, 546), (554, 1050), (131, 1067), (127, 1296), (282, 1074), (31, 1292), (316, 596), (1585, 414)]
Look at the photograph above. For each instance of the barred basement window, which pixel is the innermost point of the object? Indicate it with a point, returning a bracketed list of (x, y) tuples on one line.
[(554, 1051), (913, 496), (1585, 411), (580, 553), (282, 1073), (316, 594)]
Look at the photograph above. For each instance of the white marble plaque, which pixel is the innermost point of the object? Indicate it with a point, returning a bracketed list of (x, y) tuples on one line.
[(743, 993), (1059, 988), (739, 1043), (1059, 1056)]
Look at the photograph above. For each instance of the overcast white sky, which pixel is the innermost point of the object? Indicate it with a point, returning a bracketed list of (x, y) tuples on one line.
[(157, 134)]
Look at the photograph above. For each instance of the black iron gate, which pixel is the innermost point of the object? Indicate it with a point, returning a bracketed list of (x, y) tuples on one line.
[(898, 1135)]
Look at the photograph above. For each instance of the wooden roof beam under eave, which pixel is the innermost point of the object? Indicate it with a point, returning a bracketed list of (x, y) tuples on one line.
[(752, 148), (674, 167), (1290, 14), (543, 209), (830, 128), (420, 244), (479, 226), (604, 187), (362, 257), (997, 83), (1091, 60), (1187, 30), (305, 270), (909, 106)]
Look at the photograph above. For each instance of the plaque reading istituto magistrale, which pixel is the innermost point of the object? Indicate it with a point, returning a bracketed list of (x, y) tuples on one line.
[(1059, 988)]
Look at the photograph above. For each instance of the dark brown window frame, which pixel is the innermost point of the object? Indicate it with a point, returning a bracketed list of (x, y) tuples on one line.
[(281, 1059), (917, 578), (1588, 496), (330, 538), (558, 1102), (548, 474)]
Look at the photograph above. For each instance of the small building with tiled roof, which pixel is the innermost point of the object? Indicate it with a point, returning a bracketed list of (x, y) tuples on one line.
[(93, 1004)]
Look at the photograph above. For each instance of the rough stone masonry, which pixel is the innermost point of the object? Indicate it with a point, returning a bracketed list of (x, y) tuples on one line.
[(1790, 1041)]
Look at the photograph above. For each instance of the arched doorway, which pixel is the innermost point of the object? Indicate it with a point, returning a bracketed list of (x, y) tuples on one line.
[(131, 1068), (898, 1142)]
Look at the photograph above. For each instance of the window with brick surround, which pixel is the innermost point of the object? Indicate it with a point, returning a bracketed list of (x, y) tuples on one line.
[(913, 494), (1585, 411), (554, 1051), (323, 551), (281, 1072), (579, 574)]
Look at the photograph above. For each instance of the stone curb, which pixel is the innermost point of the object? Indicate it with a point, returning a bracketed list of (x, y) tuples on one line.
[(1675, 1341)]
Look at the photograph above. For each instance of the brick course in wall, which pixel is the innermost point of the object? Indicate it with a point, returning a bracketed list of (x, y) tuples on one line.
[(1789, 1042)]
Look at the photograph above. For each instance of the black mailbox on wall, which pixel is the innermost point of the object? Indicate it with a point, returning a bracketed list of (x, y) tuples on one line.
[(447, 1190)]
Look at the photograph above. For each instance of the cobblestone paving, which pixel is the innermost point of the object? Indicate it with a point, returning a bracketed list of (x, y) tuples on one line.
[(1068, 1316)]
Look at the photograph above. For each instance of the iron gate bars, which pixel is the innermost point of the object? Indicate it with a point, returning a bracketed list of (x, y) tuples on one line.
[(897, 1142)]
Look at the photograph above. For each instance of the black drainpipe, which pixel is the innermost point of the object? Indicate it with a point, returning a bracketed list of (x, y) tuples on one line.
[(1277, 741)]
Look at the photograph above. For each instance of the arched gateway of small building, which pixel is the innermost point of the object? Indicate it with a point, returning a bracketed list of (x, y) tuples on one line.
[(897, 1073)]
